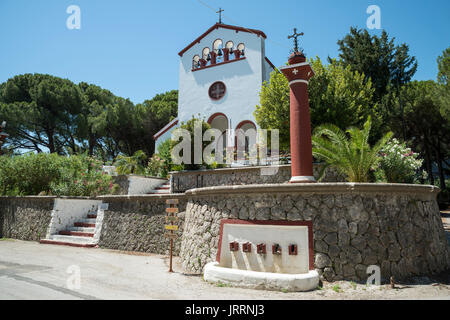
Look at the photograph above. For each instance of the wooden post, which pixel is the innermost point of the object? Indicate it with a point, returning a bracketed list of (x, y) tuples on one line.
[(171, 254)]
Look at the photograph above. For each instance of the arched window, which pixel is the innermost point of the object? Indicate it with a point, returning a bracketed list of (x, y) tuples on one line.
[(241, 48), (229, 45), (205, 54), (196, 62), (220, 121), (217, 47), (245, 140)]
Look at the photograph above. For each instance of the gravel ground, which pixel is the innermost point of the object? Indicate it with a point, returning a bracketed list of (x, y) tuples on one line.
[(29, 270)]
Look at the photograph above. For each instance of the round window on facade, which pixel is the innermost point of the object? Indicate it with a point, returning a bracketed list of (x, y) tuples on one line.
[(217, 90)]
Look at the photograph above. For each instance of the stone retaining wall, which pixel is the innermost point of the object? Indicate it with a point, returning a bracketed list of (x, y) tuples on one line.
[(182, 181), (136, 223), (25, 218), (395, 226)]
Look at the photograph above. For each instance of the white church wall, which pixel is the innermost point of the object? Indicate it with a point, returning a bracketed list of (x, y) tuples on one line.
[(242, 79), (267, 70)]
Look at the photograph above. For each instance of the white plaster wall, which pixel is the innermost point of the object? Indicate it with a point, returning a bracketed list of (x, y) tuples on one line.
[(143, 185), (68, 211), (268, 234), (99, 222), (243, 80)]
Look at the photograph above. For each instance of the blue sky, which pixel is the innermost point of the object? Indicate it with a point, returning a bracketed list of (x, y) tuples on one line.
[(131, 47)]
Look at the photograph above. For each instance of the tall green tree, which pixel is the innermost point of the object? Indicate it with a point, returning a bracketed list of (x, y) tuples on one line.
[(92, 129), (444, 84), (337, 95), (154, 114), (41, 111), (378, 58), (427, 130)]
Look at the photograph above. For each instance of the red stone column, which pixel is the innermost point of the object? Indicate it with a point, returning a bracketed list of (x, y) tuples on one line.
[(298, 73)]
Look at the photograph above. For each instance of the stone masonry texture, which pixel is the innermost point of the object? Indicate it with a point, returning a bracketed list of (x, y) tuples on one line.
[(25, 218), (398, 230), (396, 227), (184, 180), (136, 223)]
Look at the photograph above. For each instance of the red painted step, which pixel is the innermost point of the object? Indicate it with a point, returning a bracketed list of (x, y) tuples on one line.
[(92, 216), (76, 233), (82, 224)]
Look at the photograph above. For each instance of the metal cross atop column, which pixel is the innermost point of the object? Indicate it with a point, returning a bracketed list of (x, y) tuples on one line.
[(295, 36)]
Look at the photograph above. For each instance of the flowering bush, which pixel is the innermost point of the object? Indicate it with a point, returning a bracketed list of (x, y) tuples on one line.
[(158, 167), (398, 164), (82, 175)]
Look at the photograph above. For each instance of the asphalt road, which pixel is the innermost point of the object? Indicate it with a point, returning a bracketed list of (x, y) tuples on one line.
[(29, 270)]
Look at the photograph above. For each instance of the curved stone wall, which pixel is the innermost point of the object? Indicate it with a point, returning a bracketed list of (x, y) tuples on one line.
[(395, 226)]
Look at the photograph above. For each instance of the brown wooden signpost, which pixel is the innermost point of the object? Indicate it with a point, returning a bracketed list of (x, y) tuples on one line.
[(171, 225)]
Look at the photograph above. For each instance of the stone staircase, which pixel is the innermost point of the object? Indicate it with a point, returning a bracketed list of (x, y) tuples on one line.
[(83, 233), (162, 189)]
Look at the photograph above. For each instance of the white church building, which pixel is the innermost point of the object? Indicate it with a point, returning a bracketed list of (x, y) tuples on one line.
[(221, 75)]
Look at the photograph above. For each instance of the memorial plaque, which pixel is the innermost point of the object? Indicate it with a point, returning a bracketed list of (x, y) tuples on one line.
[(287, 246)]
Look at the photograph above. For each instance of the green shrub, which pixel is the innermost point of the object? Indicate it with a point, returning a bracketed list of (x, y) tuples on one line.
[(161, 163), (43, 173), (131, 165), (29, 174), (348, 152)]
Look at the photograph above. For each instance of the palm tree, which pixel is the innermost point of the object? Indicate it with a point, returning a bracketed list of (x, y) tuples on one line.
[(350, 154), (134, 164)]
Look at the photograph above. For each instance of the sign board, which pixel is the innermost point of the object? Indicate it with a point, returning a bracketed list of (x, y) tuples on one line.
[(171, 218), (172, 227), (170, 235)]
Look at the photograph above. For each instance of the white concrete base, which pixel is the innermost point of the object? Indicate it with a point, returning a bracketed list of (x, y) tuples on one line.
[(261, 280), (300, 179)]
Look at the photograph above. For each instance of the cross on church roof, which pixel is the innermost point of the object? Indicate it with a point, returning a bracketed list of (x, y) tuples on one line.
[(220, 14), (295, 36)]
